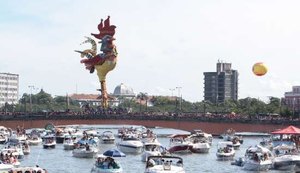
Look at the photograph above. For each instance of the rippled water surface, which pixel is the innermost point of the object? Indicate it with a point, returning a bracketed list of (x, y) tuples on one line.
[(59, 160)]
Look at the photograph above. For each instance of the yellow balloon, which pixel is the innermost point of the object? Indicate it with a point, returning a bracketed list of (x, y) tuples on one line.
[(259, 69)]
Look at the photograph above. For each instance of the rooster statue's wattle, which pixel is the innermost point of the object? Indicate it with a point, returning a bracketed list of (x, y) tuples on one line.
[(104, 61)]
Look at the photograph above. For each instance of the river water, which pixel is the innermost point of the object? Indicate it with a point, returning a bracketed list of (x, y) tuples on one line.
[(59, 160)]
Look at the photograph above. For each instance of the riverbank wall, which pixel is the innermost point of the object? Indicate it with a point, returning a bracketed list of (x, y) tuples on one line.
[(215, 128)]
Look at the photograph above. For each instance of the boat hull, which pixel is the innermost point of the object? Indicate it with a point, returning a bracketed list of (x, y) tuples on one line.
[(84, 153), (251, 166), (130, 149), (180, 149), (47, 146)]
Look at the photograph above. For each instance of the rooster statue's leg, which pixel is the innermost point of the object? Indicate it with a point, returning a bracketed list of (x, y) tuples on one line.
[(104, 95)]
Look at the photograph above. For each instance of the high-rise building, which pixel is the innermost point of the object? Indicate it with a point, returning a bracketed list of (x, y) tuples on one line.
[(292, 100), (221, 85), (9, 88)]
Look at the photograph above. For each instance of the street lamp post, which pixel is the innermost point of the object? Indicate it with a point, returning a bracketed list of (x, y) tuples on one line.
[(30, 100), (172, 91), (179, 97)]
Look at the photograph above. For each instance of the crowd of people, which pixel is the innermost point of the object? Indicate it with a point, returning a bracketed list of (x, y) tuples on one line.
[(89, 112)]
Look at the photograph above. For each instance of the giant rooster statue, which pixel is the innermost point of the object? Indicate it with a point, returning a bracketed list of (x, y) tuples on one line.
[(105, 61)]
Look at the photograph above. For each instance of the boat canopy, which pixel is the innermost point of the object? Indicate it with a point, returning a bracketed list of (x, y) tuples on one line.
[(290, 130)]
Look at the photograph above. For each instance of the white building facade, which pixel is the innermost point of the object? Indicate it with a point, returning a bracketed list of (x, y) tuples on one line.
[(9, 88)]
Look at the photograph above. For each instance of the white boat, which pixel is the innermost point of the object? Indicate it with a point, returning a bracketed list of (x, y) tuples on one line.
[(69, 142), (15, 150), (104, 164), (34, 140), (85, 152), (200, 147), (258, 158), (17, 138), (3, 138), (49, 141), (178, 144), (29, 169), (130, 144), (26, 149), (225, 150), (164, 164), (286, 157), (236, 142), (5, 167), (107, 137), (151, 149)]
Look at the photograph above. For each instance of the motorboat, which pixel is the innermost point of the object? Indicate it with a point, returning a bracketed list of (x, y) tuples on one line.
[(236, 142), (13, 149), (225, 150), (230, 134), (69, 142), (17, 137), (286, 157), (149, 136), (104, 164), (60, 135), (258, 158), (34, 140), (49, 141), (86, 151), (178, 144), (28, 169), (107, 137), (151, 149), (26, 149), (164, 164), (200, 142), (130, 144), (4, 167), (200, 135), (200, 147), (3, 138)]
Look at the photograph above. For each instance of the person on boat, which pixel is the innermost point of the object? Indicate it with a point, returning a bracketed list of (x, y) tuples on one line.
[(179, 163), (150, 163), (87, 147), (115, 164), (106, 163)]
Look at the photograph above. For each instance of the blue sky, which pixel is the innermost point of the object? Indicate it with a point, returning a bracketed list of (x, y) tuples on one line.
[(162, 44)]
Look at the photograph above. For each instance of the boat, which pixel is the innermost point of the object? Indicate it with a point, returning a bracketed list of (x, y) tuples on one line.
[(149, 136), (164, 164), (286, 157), (104, 164), (151, 149), (107, 137), (3, 138), (5, 167), (69, 142), (49, 141), (26, 149), (86, 151), (130, 144), (34, 140), (230, 135), (258, 158), (200, 142), (178, 144), (236, 142), (28, 169), (225, 150), (13, 149), (17, 137)]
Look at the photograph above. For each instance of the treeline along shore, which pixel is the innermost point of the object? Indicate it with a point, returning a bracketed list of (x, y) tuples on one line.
[(211, 123)]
